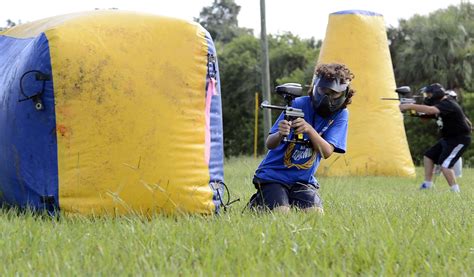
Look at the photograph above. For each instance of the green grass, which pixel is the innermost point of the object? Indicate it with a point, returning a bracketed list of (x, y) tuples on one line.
[(372, 226)]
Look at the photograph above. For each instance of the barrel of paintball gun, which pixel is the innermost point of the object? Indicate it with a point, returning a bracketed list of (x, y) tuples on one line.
[(402, 100), (290, 114), (268, 106)]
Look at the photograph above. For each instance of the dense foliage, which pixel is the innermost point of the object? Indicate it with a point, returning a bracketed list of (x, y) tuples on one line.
[(220, 20)]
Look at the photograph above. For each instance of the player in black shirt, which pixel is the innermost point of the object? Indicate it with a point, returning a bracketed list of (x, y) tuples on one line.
[(455, 130)]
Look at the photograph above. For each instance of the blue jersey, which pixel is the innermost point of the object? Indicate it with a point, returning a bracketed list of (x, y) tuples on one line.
[(291, 163)]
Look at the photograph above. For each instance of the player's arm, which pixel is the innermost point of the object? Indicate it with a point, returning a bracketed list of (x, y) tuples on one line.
[(319, 143), (429, 110)]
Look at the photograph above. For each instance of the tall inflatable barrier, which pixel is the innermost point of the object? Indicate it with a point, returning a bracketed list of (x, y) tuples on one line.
[(110, 112), (377, 143)]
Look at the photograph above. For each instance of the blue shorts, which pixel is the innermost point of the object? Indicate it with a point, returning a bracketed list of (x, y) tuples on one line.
[(271, 195)]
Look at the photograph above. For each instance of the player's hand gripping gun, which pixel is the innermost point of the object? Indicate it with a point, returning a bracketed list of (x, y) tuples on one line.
[(289, 92)]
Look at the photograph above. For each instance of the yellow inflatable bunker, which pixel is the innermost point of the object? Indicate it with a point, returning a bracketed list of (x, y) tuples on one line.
[(110, 112), (377, 142)]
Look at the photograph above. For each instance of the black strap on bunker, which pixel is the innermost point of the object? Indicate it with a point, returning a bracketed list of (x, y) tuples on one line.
[(40, 76), (217, 186)]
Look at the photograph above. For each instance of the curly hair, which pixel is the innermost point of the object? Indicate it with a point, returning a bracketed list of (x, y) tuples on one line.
[(336, 71)]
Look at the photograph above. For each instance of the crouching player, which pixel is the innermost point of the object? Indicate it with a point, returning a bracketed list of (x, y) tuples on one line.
[(285, 178)]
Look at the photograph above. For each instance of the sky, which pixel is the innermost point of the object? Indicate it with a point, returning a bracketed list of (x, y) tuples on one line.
[(305, 18)]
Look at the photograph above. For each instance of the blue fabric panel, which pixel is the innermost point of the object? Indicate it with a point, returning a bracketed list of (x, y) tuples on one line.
[(216, 162), (358, 12), (28, 148)]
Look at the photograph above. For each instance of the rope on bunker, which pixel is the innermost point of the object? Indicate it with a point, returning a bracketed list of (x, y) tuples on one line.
[(221, 200)]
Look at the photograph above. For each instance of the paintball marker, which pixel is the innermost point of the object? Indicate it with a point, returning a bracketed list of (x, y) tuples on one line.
[(289, 92), (405, 96)]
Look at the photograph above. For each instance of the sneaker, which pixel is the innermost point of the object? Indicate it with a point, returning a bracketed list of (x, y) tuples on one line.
[(425, 186), (455, 189)]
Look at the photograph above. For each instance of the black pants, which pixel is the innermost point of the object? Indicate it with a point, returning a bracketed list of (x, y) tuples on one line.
[(271, 195)]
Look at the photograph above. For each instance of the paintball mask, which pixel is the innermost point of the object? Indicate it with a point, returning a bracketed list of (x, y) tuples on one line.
[(437, 93), (329, 95)]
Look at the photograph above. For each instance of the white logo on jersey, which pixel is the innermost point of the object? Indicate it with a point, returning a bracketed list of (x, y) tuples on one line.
[(302, 153)]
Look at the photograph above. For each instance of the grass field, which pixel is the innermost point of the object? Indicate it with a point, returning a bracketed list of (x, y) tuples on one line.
[(372, 226)]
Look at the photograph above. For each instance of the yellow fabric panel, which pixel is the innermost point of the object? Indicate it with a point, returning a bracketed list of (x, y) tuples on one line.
[(130, 102), (377, 143)]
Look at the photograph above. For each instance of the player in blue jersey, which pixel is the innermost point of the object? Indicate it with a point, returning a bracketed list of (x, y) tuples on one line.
[(285, 178)]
